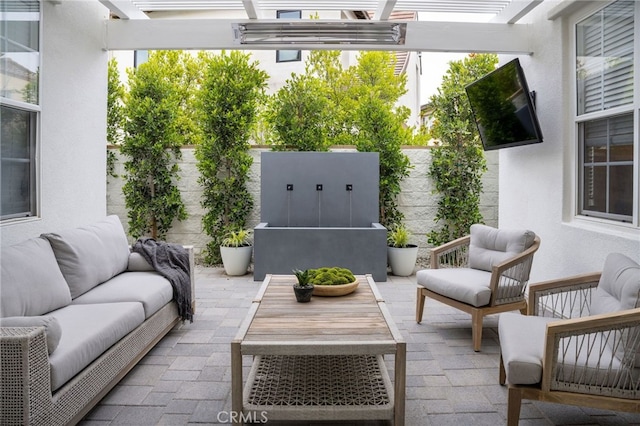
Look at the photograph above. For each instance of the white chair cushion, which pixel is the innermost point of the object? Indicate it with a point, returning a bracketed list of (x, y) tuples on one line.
[(466, 285), (618, 289), (490, 246), (522, 346), (92, 254), (582, 360), (30, 280)]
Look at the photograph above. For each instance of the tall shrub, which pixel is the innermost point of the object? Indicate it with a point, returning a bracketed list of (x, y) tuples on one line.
[(231, 91), (457, 160), (299, 115), (156, 113)]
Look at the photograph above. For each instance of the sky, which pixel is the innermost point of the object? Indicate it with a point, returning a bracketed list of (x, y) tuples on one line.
[(434, 67)]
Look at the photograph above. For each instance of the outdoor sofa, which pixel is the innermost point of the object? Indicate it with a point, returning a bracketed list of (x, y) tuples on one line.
[(78, 310)]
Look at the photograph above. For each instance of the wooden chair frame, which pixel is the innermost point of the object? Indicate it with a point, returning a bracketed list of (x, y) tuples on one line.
[(507, 292), (550, 299)]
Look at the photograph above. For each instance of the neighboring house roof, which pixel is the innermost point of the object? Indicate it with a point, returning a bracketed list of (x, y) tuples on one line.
[(402, 57)]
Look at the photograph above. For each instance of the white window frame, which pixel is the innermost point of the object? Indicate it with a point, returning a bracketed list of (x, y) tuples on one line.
[(35, 187), (610, 222)]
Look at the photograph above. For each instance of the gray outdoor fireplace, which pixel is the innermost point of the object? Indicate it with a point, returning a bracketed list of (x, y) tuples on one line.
[(319, 209)]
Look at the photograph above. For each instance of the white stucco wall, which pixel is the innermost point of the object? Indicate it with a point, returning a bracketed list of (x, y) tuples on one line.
[(537, 181), (72, 161)]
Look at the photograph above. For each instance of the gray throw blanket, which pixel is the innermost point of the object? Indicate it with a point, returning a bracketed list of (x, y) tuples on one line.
[(172, 262)]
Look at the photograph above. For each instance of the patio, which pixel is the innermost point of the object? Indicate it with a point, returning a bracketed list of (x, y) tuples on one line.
[(186, 378)]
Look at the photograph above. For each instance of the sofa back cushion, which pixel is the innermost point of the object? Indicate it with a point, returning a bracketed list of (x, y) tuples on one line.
[(91, 254), (32, 283), (490, 246)]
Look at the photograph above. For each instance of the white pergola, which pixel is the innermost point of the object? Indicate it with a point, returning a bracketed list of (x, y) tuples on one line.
[(502, 33)]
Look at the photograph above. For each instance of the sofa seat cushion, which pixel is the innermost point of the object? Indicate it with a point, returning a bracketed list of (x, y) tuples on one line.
[(91, 254), (148, 288), (467, 285), (31, 283), (88, 331)]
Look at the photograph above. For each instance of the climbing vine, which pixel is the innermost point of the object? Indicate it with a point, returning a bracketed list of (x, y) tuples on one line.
[(457, 160), (158, 123)]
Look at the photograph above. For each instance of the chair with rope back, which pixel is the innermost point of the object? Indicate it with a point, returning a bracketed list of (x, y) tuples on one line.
[(580, 343), (483, 273)]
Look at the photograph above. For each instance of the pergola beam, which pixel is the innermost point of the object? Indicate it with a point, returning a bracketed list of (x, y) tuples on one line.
[(385, 7), (124, 9), (252, 8), (216, 34), (515, 11)]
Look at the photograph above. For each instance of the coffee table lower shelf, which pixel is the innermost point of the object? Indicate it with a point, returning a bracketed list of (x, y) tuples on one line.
[(319, 387)]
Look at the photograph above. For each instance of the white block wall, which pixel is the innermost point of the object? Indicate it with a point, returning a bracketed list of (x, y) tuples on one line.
[(417, 201)]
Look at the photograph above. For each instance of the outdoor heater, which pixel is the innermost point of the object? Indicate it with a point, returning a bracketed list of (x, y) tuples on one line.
[(322, 32)]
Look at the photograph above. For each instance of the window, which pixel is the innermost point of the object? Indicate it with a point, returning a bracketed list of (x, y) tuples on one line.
[(140, 57), (288, 55), (605, 112), (19, 110)]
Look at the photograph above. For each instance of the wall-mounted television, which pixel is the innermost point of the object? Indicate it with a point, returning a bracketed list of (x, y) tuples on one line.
[(504, 109)]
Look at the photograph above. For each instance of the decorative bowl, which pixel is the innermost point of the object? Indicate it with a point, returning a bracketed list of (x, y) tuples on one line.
[(335, 290)]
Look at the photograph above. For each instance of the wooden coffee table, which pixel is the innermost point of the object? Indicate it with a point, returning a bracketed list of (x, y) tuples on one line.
[(321, 360)]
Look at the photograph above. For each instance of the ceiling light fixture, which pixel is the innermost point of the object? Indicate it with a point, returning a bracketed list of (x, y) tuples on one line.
[(319, 32)]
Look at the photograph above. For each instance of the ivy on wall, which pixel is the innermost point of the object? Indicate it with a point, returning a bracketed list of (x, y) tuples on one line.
[(158, 122), (457, 162)]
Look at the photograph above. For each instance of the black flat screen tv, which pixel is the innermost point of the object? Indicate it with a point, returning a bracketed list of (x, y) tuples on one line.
[(503, 108)]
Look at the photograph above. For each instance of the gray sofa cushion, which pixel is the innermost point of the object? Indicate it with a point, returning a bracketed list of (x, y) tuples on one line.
[(490, 246), (467, 285), (91, 254), (52, 330), (88, 331), (148, 288), (28, 290), (138, 263)]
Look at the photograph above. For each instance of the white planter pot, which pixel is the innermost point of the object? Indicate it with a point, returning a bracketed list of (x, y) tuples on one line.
[(236, 260), (402, 260)]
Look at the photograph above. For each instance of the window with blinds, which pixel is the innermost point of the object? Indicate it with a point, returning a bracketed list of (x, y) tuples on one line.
[(604, 44), (19, 106), (605, 112)]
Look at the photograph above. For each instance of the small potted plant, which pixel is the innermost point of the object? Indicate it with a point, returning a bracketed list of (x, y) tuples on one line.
[(303, 289), (401, 254), (236, 249)]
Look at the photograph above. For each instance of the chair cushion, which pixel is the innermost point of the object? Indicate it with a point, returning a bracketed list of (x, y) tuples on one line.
[(490, 246), (31, 281), (88, 331), (52, 330), (466, 285), (522, 340), (148, 288), (92, 254), (582, 360), (619, 285), (618, 289)]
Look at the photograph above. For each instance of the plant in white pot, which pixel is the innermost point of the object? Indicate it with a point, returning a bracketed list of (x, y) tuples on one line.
[(236, 250), (401, 254)]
